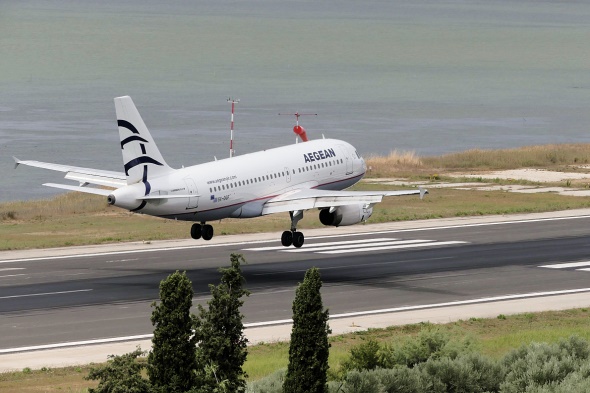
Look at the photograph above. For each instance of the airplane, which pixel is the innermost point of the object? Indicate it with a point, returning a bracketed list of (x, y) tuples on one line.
[(292, 178)]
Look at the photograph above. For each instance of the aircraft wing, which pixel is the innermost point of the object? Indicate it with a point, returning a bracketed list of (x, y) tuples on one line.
[(304, 199), (82, 175)]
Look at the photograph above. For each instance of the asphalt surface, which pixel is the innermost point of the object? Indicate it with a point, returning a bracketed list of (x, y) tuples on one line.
[(55, 299)]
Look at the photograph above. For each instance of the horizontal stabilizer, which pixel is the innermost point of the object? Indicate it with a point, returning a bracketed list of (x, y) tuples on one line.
[(82, 175), (87, 190)]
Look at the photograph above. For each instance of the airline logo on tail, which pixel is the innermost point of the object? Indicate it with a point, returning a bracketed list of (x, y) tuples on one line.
[(139, 160)]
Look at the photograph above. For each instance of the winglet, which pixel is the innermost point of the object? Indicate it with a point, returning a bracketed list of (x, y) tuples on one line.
[(422, 192), (16, 162)]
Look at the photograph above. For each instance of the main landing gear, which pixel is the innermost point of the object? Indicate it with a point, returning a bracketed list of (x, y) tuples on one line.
[(202, 230), (293, 237)]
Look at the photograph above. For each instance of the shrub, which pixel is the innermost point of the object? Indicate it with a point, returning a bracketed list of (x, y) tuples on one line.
[(363, 357), (271, 384), (469, 373), (121, 374), (538, 365), (406, 380), (363, 381), (578, 381), (430, 343)]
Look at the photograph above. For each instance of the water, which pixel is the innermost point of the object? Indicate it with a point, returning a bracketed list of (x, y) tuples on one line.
[(428, 76)]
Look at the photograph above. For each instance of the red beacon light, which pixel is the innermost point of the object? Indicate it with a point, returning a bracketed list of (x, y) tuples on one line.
[(297, 129)]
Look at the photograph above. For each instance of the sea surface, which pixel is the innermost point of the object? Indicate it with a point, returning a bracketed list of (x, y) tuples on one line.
[(427, 76)]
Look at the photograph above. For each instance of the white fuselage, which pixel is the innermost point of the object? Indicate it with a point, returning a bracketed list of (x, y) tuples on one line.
[(239, 186)]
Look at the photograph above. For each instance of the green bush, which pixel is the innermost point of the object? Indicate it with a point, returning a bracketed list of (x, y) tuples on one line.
[(363, 357), (469, 373), (364, 381), (406, 380), (122, 374), (430, 343), (271, 384), (544, 365), (578, 381)]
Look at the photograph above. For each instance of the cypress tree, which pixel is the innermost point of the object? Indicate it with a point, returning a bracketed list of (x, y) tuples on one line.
[(222, 350), (172, 361), (309, 348)]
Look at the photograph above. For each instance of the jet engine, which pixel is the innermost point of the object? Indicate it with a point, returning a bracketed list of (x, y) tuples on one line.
[(345, 215)]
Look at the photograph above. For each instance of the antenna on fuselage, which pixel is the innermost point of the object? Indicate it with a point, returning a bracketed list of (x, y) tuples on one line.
[(298, 130), (231, 129)]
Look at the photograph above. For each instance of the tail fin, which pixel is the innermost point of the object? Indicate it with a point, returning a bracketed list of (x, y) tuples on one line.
[(140, 153)]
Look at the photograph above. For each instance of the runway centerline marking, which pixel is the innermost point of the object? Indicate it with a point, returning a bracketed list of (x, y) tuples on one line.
[(45, 294), (7, 269)]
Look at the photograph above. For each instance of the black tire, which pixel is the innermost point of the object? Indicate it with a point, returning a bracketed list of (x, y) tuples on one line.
[(207, 232), (298, 239), (196, 231), (287, 238)]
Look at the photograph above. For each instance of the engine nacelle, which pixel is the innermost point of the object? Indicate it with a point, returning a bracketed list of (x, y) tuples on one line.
[(346, 215)]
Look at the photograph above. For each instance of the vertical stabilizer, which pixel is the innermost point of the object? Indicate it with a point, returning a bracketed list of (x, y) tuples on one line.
[(141, 156)]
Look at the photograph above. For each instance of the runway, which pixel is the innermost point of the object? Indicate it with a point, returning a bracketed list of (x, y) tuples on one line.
[(105, 292)]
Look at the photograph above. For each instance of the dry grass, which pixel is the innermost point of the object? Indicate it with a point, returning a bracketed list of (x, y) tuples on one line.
[(543, 156), (382, 166), (530, 156), (46, 209)]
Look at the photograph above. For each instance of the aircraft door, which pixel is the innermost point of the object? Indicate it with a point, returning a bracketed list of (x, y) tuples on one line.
[(191, 187), (288, 175), (348, 158)]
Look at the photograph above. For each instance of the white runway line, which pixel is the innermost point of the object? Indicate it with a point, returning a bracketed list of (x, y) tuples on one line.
[(45, 294), (7, 269), (340, 246), (434, 244), (13, 275), (566, 265), (279, 248)]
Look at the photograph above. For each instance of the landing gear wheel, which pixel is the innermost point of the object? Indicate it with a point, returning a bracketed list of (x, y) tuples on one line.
[(196, 231), (207, 232), (298, 239), (287, 238)]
